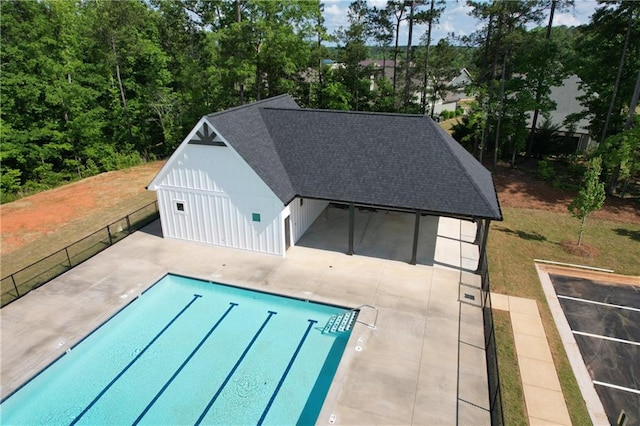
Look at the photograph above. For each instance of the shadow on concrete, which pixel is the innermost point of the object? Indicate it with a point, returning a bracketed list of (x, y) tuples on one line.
[(381, 234), (154, 228)]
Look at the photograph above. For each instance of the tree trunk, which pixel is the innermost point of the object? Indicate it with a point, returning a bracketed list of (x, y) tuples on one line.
[(581, 230), (123, 97), (395, 53), (633, 104), (482, 142), (618, 75), (425, 80), (485, 54), (407, 85), (536, 112), (497, 142), (395, 60)]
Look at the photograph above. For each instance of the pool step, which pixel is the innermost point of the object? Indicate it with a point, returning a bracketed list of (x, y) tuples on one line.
[(340, 322)]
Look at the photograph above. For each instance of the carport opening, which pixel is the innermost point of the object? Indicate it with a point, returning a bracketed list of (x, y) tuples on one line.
[(377, 232)]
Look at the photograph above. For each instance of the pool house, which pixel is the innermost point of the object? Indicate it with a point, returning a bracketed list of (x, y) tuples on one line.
[(257, 176)]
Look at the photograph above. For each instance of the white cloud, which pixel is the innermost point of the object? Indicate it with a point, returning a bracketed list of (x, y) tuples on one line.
[(566, 19)]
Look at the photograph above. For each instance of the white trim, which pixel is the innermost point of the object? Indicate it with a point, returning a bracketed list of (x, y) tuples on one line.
[(175, 203), (598, 336), (551, 262), (622, 388), (153, 186), (594, 405), (610, 305)]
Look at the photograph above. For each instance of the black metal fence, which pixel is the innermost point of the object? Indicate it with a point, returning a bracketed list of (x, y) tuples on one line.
[(33, 276), (491, 351)]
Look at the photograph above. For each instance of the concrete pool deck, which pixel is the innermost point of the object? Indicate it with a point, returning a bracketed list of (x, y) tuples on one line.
[(424, 363)]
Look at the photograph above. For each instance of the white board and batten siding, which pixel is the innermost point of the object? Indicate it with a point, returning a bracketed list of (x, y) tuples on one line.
[(209, 194), (303, 213)]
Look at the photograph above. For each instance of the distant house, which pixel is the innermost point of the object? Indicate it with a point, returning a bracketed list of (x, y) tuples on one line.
[(456, 94), (566, 98), (454, 97), (381, 68), (257, 176)]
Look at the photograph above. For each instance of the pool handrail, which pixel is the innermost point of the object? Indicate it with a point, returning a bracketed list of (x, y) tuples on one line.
[(375, 320)]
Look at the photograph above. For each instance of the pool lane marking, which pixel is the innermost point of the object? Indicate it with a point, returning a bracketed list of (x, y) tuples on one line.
[(184, 363), (610, 305), (286, 371), (622, 388), (233, 370), (598, 336), (124, 370)]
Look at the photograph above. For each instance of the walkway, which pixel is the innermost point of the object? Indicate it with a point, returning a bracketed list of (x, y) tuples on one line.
[(542, 392)]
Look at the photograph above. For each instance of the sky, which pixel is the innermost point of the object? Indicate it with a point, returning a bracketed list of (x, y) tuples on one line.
[(455, 18)]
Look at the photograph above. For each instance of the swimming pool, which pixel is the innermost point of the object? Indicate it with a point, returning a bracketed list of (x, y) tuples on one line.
[(193, 352)]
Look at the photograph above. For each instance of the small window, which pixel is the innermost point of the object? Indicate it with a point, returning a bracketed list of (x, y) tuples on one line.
[(179, 206), (255, 217), (301, 201)]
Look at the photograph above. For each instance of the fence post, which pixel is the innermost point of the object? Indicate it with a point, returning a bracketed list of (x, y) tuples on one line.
[(68, 258), (109, 233), (128, 225), (13, 279)]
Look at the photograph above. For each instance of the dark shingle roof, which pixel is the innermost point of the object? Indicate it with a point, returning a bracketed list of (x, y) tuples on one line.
[(389, 160), (247, 133)]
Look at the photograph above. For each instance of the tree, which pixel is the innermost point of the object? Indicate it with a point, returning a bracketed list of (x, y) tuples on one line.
[(621, 153), (352, 51), (397, 9), (591, 196), (544, 62), (431, 17), (608, 61), (505, 93)]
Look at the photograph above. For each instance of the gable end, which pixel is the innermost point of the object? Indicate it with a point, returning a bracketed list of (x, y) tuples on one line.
[(204, 136)]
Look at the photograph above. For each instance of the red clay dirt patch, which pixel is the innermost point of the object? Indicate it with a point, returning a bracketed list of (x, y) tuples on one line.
[(518, 189), (27, 219), (582, 250)]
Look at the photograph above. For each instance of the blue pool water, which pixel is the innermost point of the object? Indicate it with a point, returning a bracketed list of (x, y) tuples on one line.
[(191, 352)]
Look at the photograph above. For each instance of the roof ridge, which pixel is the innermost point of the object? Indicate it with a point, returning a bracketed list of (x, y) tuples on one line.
[(339, 111), (464, 169), (251, 104)]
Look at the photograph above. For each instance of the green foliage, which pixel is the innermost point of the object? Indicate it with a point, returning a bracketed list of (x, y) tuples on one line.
[(621, 153), (94, 86), (546, 171), (469, 130), (90, 86), (599, 49), (591, 196)]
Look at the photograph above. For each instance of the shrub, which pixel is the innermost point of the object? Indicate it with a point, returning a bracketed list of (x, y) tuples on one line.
[(546, 171)]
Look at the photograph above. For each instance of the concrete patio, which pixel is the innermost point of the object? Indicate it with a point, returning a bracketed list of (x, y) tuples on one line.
[(423, 364)]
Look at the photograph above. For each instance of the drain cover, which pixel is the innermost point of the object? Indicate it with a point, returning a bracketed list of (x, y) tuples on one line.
[(469, 296)]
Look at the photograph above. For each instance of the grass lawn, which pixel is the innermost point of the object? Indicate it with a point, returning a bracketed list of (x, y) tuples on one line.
[(527, 234), (512, 395)]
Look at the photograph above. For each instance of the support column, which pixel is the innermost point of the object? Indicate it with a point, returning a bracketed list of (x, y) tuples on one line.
[(478, 238), (352, 216), (483, 245), (416, 233)]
